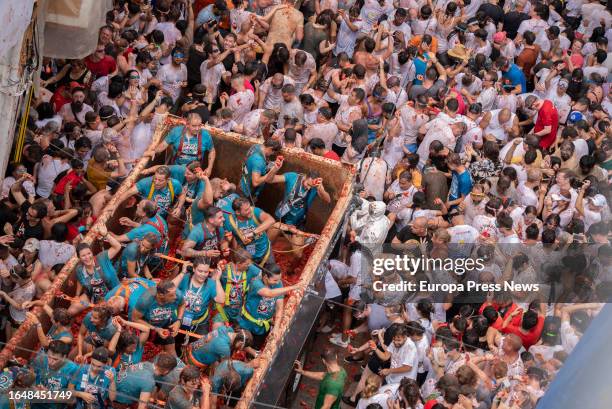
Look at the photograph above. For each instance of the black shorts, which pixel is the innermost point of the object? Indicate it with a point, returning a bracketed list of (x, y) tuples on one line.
[(332, 303), (338, 149), (259, 340), (376, 364)]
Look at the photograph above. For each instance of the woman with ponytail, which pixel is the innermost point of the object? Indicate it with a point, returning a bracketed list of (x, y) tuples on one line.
[(216, 345), (231, 375)]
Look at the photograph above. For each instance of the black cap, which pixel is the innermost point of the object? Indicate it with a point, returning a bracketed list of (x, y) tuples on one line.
[(199, 90)]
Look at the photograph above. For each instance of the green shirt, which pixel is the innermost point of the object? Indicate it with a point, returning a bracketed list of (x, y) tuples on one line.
[(332, 384)]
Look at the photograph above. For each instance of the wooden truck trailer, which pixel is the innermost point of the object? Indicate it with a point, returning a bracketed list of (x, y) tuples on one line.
[(273, 382)]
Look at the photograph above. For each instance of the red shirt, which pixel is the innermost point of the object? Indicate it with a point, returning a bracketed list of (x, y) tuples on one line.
[(500, 319), (58, 100), (72, 178), (547, 116), (101, 68), (73, 228), (530, 338), (332, 155)]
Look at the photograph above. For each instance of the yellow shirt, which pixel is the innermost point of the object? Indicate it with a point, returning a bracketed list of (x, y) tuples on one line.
[(96, 175)]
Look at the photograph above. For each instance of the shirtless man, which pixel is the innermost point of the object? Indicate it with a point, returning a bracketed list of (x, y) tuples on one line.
[(284, 23)]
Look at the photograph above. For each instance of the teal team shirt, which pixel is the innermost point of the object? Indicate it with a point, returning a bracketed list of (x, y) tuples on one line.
[(296, 215), (259, 247), (259, 307), (164, 198), (189, 148), (204, 238), (133, 381), (131, 253), (53, 379), (197, 300), (194, 188), (157, 314), (178, 400), (223, 369), (152, 225), (235, 290), (124, 360), (167, 382), (103, 278), (136, 287), (96, 385), (214, 347), (255, 163), (98, 336)]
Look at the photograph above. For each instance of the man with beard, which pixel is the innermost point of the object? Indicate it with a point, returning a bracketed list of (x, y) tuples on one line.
[(76, 110), (207, 238), (173, 77), (149, 222), (258, 169), (138, 259), (189, 143), (161, 189), (53, 370)]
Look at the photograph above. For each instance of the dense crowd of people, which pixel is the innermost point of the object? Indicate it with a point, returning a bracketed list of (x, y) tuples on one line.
[(478, 129)]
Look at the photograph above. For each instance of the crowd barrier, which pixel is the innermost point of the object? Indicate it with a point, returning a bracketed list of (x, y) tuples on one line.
[(323, 219)]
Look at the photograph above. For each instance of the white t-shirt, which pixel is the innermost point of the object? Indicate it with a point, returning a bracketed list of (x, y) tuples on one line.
[(67, 115), (301, 74), (171, 33), (373, 175), (407, 354), (142, 135), (274, 96), (241, 103), (346, 39), (590, 217), (52, 253), (546, 351), (527, 197), (8, 182), (463, 233), (47, 171), (569, 338), (210, 78), (442, 133), (171, 78), (326, 131), (411, 121), (21, 294), (486, 225), (404, 28), (331, 287), (581, 148)]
